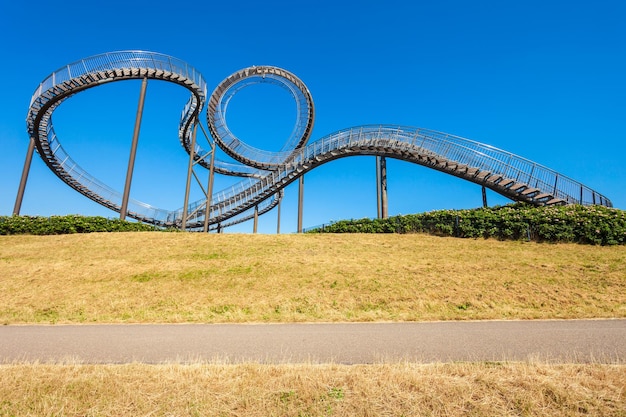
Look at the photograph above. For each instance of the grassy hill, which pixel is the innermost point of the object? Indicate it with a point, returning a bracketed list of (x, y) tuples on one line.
[(183, 277)]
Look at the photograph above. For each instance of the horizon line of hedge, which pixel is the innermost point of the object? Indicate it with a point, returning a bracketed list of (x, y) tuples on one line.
[(597, 225)]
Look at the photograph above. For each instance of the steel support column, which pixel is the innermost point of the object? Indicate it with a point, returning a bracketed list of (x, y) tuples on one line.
[(209, 193), (280, 200), (133, 150), (383, 188), (300, 202), (189, 173), (20, 191), (378, 213), (256, 219), (484, 197)]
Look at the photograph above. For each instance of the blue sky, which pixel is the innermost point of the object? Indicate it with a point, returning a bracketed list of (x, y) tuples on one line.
[(542, 79)]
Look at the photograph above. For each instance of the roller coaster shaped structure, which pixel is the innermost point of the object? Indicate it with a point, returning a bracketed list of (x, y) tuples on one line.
[(267, 173)]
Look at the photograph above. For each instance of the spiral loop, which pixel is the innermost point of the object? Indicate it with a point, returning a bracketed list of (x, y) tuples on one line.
[(234, 146)]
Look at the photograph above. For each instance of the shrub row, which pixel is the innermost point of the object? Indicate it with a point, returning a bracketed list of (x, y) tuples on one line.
[(596, 225), (58, 225)]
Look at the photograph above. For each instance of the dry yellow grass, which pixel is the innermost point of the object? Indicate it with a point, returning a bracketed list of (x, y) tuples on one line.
[(182, 277), (496, 389), (177, 277)]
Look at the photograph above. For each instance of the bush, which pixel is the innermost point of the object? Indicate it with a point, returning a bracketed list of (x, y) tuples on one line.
[(58, 225), (597, 225)]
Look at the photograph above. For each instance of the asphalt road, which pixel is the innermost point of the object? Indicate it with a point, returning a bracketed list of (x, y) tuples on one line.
[(602, 341)]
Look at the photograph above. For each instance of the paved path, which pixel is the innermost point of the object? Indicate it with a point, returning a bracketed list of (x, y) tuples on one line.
[(350, 343)]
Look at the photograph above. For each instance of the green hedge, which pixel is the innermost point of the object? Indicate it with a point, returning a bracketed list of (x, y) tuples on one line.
[(596, 225), (59, 225)]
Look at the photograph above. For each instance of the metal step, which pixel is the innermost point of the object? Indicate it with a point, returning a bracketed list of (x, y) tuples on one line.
[(555, 201), (530, 191), (482, 175), (494, 178), (461, 168), (542, 196), (517, 186)]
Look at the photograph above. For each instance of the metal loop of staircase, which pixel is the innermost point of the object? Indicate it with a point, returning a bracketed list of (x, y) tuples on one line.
[(268, 173), (237, 149)]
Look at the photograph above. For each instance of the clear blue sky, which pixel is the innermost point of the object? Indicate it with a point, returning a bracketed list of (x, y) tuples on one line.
[(543, 79)]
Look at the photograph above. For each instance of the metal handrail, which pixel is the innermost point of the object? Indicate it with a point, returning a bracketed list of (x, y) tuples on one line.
[(422, 146), (112, 60), (455, 148), (125, 62)]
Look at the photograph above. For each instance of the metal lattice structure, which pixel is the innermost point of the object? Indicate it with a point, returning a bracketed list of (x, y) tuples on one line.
[(268, 173)]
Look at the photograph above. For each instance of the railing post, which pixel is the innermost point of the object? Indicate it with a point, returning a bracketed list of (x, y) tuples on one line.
[(581, 194), (133, 150), (556, 182)]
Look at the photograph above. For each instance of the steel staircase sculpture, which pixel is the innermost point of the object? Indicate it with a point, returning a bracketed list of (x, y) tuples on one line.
[(268, 173)]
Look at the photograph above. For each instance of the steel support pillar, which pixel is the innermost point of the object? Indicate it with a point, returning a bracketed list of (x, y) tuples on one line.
[(300, 202), (133, 150), (484, 197), (383, 187), (20, 191), (209, 193), (378, 213), (189, 173), (256, 219), (280, 200)]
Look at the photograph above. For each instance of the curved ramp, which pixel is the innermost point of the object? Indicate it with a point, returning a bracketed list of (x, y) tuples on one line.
[(269, 172)]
